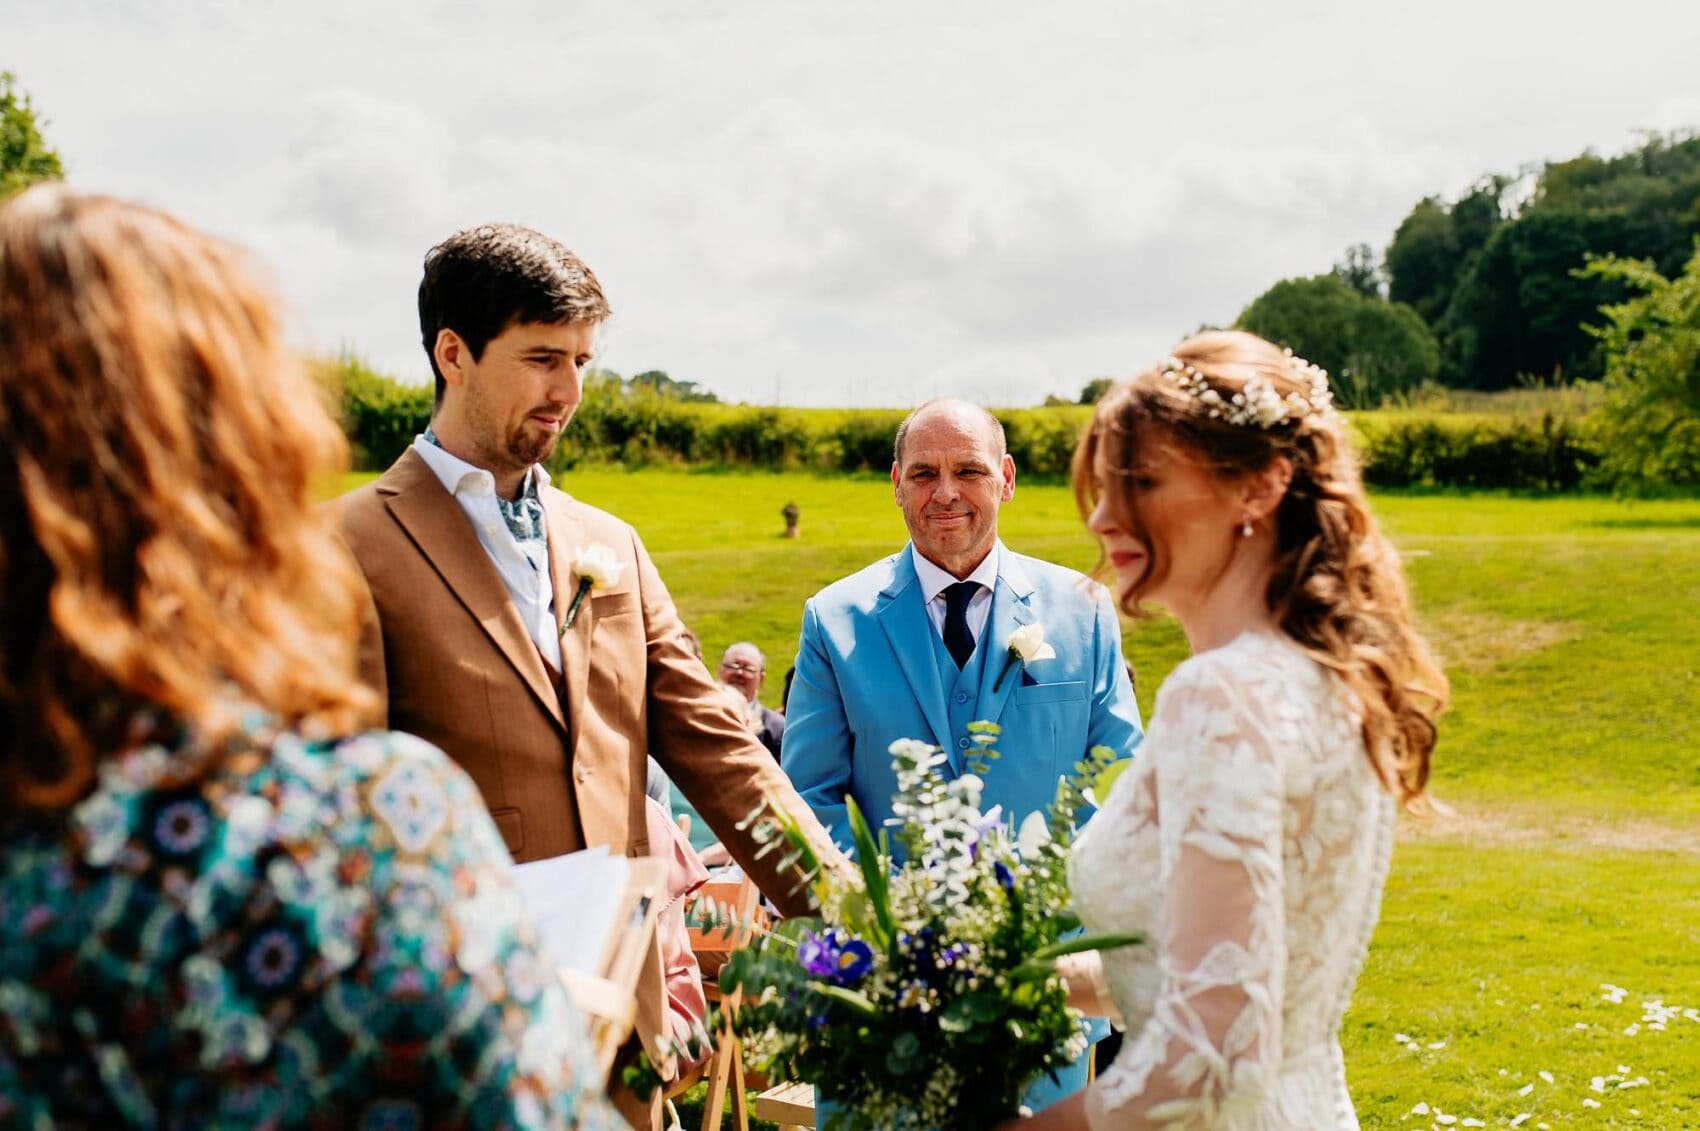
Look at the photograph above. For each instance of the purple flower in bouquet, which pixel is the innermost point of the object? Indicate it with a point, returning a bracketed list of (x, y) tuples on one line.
[(985, 827), (835, 956)]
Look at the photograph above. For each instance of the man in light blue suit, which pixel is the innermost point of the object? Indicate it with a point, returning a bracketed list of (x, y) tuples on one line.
[(916, 646)]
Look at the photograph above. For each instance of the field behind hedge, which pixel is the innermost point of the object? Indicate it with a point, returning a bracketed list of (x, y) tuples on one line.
[(1571, 631)]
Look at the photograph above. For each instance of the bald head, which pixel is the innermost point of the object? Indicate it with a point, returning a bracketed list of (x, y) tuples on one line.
[(951, 475), (965, 413)]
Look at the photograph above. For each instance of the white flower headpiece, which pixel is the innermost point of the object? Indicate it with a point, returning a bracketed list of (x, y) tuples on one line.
[(1257, 404)]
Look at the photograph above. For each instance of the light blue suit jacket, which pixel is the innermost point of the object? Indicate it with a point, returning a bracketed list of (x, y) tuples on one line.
[(867, 675)]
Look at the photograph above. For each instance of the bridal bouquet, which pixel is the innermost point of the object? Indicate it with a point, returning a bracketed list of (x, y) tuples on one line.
[(923, 994)]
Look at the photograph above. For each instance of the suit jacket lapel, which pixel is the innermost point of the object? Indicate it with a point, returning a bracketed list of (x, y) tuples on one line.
[(904, 618), (1011, 609), (437, 525), (575, 641)]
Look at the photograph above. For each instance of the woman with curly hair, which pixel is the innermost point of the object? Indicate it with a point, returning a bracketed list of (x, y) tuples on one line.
[(1250, 839), (221, 904)]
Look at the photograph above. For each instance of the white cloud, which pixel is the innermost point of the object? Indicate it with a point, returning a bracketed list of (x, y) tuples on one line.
[(874, 202)]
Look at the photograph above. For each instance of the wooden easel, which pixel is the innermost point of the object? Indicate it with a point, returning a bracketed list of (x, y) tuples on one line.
[(724, 1070)]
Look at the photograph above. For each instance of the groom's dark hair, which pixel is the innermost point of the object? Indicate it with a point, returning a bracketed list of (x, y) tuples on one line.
[(485, 279)]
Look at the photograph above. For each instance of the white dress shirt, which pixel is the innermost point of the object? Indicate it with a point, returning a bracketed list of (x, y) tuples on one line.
[(523, 566), (934, 581)]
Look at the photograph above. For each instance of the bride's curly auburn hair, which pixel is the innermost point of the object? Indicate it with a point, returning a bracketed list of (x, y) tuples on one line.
[(159, 549), (1337, 587)]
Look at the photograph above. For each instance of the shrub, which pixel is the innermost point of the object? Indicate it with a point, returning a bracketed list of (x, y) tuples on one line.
[(1042, 440), (1423, 450), (1651, 342), (864, 439), (381, 416)]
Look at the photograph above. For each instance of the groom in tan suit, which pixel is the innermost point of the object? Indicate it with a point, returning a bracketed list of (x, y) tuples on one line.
[(469, 556)]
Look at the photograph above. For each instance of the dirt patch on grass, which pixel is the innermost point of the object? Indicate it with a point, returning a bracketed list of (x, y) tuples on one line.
[(1520, 827), (1479, 641)]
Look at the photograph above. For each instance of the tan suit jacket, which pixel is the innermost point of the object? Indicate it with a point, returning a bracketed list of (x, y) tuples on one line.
[(559, 771)]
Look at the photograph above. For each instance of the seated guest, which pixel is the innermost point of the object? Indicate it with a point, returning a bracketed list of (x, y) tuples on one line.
[(221, 905), (743, 669)]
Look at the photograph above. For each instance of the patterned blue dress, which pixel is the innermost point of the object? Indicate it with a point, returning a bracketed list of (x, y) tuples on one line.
[(306, 935)]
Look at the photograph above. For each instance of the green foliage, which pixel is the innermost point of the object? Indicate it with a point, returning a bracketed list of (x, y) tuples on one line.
[(1651, 419), (1437, 450), (1371, 349), (381, 416), (638, 424), (1495, 274), (1360, 271), (1539, 441), (25, 156), (1043, 442), (1093, 390), (1424, 259), (657, 382)]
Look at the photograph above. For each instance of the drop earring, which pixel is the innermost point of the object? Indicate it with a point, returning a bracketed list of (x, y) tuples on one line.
[(1245, 528)]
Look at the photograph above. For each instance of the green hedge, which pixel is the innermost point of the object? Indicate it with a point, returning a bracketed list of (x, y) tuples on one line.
[(1421, 450), (1412, 448)]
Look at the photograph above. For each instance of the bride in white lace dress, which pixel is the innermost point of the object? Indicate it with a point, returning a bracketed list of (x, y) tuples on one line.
[(1250, 838)]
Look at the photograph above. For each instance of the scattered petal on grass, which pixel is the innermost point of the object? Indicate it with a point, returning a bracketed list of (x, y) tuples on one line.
[(1420, 1109), (1521, 1118), (1589, 1101), (1545, 1075), (1525, 1089)]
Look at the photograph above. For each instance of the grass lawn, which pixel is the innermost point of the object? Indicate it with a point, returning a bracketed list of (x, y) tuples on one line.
[(1571, 631)]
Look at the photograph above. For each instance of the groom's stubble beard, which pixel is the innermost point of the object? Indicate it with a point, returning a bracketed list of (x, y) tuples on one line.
[(518, 447), (528, 445)]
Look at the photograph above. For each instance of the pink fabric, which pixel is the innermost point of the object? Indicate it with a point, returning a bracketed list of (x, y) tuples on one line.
[(687, 1006)]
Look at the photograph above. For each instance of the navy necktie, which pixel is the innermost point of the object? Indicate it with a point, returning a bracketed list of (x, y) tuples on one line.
[(957, 638)]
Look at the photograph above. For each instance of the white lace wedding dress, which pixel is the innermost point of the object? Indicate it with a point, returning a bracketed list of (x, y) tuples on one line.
[(1248, 842)]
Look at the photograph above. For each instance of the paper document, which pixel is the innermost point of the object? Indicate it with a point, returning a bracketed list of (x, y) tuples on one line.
[(576, 902)]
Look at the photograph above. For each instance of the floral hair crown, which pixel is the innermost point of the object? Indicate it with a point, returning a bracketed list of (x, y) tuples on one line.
[(1257, 404)]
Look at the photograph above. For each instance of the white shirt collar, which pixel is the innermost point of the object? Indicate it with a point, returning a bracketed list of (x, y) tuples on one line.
[(459, 477), (935, 580)]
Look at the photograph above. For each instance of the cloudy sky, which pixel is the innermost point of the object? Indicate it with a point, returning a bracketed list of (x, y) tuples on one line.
[(850, 203)]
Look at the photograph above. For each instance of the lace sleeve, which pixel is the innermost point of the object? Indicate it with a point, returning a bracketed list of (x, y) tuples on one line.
[(1213, 1039)]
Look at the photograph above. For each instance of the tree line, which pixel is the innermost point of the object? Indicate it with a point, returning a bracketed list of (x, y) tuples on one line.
[(1493, 289)]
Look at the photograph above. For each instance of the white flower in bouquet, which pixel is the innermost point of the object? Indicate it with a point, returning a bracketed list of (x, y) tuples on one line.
[(924, 994)]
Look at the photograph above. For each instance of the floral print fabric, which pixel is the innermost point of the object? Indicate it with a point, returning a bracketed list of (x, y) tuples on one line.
[(307, 935)]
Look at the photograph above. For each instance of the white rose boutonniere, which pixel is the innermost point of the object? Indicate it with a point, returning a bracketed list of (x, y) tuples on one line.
[(1026, 646), (596, 567)]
